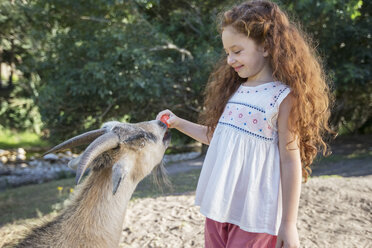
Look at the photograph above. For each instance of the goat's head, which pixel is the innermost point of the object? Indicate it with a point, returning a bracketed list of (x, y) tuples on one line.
[(131, 150)]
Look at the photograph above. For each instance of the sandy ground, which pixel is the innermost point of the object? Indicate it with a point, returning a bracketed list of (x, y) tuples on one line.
[(334, 212)]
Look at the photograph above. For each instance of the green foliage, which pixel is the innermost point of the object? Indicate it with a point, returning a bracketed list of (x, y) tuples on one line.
[(12, 139), (21, 41), (18, 112), (342, 31), (83, 63), (118, 60)]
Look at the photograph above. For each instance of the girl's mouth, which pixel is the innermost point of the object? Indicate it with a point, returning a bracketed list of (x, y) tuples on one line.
[(238, 68)]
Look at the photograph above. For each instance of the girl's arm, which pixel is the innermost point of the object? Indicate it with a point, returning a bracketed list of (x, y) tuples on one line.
[(195, 131), (291, 176)]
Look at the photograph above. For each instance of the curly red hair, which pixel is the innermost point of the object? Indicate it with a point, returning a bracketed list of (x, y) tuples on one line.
[(294, 62)]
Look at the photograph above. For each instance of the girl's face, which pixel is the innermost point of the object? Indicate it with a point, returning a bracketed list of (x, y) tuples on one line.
[(246, 57)]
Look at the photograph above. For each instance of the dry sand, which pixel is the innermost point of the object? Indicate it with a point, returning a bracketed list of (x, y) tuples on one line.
[(334, 212)]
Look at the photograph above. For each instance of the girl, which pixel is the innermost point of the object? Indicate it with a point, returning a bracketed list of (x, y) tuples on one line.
[(266, 109)]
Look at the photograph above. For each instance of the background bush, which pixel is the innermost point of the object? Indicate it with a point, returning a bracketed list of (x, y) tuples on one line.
[(77, 64)]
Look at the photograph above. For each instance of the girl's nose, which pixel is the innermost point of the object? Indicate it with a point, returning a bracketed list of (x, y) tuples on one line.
[(230, 60)]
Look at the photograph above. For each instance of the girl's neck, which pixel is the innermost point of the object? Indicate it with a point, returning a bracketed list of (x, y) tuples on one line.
[(256, 82), (265, 75)]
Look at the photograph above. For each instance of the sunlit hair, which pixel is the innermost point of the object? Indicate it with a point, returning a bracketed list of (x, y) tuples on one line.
[(294, 62)]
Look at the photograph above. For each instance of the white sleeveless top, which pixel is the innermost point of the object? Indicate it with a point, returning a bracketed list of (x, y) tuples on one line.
[(240, 178)]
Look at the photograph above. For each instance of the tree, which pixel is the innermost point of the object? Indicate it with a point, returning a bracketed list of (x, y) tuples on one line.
[(20, 44), (86, 62)]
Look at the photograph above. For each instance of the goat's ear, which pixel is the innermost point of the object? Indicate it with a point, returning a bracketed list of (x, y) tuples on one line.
[(73, 163), (120, 171)]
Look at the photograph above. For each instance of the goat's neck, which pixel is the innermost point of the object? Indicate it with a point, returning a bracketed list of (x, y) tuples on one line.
[(97, 214)]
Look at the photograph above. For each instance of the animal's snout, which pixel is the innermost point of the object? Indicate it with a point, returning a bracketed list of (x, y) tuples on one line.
[(161, 124)]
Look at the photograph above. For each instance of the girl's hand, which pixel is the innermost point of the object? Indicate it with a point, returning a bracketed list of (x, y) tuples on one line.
[(173, 120), (288, 236)]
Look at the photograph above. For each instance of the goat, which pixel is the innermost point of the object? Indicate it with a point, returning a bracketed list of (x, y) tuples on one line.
[(119, 157)]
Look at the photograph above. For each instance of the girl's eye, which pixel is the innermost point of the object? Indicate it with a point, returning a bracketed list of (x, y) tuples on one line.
[(237, 52)]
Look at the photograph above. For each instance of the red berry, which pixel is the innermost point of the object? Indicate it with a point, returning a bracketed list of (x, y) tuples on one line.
[(164, 119)]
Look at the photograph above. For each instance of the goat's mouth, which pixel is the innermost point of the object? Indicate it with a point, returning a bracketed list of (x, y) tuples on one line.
[(167, 137)]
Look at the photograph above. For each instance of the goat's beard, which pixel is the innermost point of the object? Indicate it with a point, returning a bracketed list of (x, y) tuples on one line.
[(160, 176)]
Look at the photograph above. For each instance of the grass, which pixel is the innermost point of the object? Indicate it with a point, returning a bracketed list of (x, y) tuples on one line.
[(330, 176), (32, 201), (9, 140), (35, 201), (334, 158)]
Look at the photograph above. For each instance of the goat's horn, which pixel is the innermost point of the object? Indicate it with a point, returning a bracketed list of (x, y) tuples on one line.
[(100, 145), (81, 139)]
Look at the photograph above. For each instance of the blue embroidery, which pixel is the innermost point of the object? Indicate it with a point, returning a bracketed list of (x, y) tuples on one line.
[(277, 97), (248, 105), (246, 131)]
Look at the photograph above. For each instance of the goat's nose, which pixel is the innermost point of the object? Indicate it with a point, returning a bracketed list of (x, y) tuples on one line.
[(162, 124)]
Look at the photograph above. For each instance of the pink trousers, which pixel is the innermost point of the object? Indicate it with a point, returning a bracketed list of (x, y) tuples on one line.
[(226, 235)]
